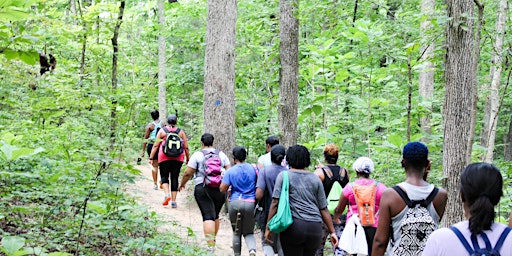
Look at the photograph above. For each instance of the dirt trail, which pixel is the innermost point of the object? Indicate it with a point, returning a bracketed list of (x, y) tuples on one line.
[(186, 216)]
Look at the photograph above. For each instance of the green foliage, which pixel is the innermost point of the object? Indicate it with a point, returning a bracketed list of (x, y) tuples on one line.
[(352, 92)]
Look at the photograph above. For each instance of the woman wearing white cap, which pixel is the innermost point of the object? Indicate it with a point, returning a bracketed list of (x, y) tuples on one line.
[(363, 198)]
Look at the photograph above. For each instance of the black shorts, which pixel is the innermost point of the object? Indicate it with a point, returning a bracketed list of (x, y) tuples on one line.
[(149, 147), (209, 200)]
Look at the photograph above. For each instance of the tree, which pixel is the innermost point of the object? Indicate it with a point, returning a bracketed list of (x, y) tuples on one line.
[(115, 51), (289, 73), (219, 75), (492, 104), (162, 103), (458, 105), (426, 75)]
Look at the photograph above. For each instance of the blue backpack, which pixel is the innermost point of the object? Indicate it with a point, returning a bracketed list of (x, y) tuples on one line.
[(476, 250)]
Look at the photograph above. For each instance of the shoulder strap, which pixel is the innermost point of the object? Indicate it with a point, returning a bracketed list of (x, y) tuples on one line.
[(430, 197), (177, 131), (462, 240), (165, 129), (404, 196), (501, 240), (327, 173)]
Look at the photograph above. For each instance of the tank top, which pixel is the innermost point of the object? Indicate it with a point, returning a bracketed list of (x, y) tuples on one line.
[(162, 157), (152, 135), (336, 177)]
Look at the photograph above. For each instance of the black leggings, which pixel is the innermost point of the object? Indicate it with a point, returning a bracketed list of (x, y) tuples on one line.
[(209, 200), (369, 233), (302, 238), (171, 167)]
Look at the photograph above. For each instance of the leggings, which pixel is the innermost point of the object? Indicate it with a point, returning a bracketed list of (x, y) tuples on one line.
[(338, 228), (172, 168), (209, 200), (301, 238), (241, 215)]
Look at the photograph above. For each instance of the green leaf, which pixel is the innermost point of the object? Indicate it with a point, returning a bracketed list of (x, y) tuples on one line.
[(59, 254), (13, 15), (396, 140), (30, 58), (10, 54), (12, 244)]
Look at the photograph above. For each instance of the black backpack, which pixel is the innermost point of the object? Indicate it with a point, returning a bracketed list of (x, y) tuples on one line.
[(476, 250), (173, 146)]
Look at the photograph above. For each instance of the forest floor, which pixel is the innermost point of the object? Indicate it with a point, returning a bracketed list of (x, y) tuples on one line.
[(185, 220)]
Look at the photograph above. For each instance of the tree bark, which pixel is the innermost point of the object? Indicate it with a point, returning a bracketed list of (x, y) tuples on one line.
[(508, 144), (493, 101), (162, 103), (426, 75), (460, 80), (474, 89), (115, 47), (219, 76), (289, 73)]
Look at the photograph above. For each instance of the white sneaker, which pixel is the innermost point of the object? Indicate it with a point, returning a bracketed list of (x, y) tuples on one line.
[(155, 187), (252, 252)]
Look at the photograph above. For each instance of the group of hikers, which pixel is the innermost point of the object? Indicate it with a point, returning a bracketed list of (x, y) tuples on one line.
[(299, 210)]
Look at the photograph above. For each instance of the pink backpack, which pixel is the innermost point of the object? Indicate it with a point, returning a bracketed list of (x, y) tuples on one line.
[(212, 168)]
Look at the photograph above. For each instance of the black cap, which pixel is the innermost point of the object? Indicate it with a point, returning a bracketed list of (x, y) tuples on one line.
[(172, 119)]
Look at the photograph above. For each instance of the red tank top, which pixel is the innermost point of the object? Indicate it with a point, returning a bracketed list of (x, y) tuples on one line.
[(163, 157)]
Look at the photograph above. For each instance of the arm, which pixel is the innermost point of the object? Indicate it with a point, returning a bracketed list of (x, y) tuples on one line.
[(189, 172), (380, 242), (326, 216), (185, 144), (259, 193), (320, 174), (342, 203), (224, 187), (440, 202), (159, 136), (510, 220), (271, 213), (149, 128)]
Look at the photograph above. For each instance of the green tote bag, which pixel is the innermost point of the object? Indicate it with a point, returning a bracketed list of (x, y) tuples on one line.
[(283, 218)]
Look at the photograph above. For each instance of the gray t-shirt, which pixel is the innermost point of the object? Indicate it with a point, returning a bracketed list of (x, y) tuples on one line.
[(197, 162), (307, 195)]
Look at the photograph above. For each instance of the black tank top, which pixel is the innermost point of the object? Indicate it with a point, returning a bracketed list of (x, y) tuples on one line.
[(336, 177)]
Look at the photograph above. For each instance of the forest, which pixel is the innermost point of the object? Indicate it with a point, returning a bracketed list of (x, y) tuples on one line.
[(78, 79)]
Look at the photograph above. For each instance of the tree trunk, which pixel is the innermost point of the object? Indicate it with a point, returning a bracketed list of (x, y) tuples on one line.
[(426, 75), (460, 80), (493, 100), (508, 144), (474, 88), (115, 47), (162, 103), (219, 75), (289, 73)]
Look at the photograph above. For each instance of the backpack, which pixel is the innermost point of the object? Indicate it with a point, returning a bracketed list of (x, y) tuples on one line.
[(334, 197), (173, 146), (476, 250), (365, 197), (416, 225), (212, 168)]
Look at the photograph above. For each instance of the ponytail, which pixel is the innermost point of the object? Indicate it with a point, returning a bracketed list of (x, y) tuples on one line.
[(482, 215), (481, 189)]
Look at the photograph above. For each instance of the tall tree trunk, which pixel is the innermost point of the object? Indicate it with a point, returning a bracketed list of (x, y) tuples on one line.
[(84, 42), (474, 89), (289, 73), (493, 100), (72, 7), (460, 80), (162, 103), (508, 142), (115, 47), (219, 75), (426, 75)]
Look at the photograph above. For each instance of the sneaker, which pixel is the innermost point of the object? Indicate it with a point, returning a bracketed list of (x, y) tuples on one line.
[(174, 205), (211, 249), (155, 187), (166, 201), (252, 252)]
